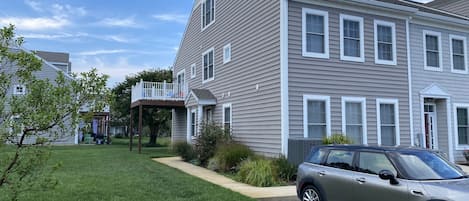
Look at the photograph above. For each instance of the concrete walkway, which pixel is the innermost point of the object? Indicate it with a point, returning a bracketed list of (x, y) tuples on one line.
[(261, 193)]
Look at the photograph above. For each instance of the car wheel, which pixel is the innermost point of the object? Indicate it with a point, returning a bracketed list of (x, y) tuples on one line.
[(310, 193)]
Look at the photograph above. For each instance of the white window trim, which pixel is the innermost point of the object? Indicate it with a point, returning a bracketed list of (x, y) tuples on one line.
[(196, 127), (305, 52), (203, 72), (455, 122), (19, 93), (362, 46), (307, 98), (181, 72), (451, 37), (226, 60), (227, 105), (440, 51), (393, 31), (396, 118), (193, 70), (202, 13), (361, 100)]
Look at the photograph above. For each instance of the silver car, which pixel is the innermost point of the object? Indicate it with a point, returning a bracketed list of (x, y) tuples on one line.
[(363, 173)]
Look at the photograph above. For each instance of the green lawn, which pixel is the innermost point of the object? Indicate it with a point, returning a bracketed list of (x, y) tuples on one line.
[(111, 172)]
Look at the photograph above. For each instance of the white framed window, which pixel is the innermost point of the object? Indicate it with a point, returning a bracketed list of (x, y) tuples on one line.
[(458, 49), (207, 13), (181, 82), (208, 65), (387, 118), (193, 71), (316, 116), (227, 117), (461, 124), (209, 115), (19, 89), (193, 123), (354, 119), (432, 51), (385, 42), (351, 38), (226, 53), (315, 33)]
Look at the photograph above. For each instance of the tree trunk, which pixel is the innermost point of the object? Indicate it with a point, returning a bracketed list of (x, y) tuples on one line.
[(153, 135)]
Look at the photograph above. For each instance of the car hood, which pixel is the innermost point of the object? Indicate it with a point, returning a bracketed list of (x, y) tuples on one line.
[(455, 189)]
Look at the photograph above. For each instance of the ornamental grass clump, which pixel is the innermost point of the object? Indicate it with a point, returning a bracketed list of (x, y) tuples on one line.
[(259, 172), (337, 139)]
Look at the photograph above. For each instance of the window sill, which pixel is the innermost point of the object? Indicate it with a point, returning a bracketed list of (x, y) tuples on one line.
[(316, 55), (385, 62), (462, 147), (430, 68), (354, 59), (459, 71), (208, 80), (208, 25)]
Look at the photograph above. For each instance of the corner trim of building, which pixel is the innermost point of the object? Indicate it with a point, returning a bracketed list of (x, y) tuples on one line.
[(284, 75), (409, 80)]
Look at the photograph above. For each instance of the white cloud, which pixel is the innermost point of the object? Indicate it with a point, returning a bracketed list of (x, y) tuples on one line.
[(171, 18), (116, 69), (34, 5), (40, 23), (117, 22), (100, 52), (68, 10), (52, 36)]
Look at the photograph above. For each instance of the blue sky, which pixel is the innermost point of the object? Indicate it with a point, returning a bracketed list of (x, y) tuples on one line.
[(116, 37)]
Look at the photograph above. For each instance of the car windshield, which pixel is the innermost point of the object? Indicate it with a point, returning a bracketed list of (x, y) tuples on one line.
[(428, 166)]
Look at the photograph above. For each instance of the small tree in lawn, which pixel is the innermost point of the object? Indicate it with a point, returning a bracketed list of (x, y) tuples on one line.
[(49, 109)]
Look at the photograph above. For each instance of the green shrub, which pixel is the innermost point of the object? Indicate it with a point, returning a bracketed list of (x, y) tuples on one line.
[(337, 139), (258, 173), (229, 156), (286, 171), (210, 136), (184, 150)]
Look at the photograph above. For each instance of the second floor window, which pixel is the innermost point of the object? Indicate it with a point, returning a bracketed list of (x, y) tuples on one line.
[(315, 33), (385, 43), (208, 12), (208, 66), (432, 45), (458, 53), (351, 38)]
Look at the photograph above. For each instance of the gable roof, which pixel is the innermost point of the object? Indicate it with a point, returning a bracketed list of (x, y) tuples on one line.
[(201, 97)]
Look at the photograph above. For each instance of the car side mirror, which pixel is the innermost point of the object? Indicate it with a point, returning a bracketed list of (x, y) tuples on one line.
[(388, 175)]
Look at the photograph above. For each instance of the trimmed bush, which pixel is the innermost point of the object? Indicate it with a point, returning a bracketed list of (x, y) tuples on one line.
[(337, 139), (210, 136), (257, 173), (229, 156), (184, 150), (286, 171)]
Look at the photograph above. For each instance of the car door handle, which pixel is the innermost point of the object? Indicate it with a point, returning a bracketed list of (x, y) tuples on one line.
[(416, 193), (322, 173), (361, 180)]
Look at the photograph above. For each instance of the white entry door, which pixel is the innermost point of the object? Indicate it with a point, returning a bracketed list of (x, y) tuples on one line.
[(430, 126)]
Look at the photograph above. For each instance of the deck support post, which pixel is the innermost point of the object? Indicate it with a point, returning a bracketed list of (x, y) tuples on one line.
[(131, 135), (140, 133)]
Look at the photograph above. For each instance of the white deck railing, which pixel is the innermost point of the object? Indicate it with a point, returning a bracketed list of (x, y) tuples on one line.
[(158, 91)]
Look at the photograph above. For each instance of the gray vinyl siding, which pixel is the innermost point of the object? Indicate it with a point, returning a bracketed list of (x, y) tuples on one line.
[(452, 83), (179, 125), (336, 78), (442, 126), (253, 30)]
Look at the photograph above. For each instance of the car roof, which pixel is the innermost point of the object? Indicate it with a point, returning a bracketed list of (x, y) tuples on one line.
[(374, 148)]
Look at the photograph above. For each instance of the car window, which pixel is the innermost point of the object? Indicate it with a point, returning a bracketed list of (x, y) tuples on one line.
[(340, 159), (427, 166), (317, 156), (373, 163)]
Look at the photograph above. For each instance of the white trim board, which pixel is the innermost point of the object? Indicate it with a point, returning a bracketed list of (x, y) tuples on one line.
[(284, 111)]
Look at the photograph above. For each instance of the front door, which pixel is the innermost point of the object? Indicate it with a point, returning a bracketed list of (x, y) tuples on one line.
[(430, 126), (181, 83)]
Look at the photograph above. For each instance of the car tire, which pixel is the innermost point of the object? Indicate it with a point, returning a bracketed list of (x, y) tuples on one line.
[(310, 193)]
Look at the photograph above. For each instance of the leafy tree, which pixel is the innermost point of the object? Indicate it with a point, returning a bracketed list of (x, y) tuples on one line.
[(48, 110), (157, 119)]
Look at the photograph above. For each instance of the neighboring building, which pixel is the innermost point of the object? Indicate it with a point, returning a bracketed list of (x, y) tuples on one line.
[(279, 72), (60, 60)]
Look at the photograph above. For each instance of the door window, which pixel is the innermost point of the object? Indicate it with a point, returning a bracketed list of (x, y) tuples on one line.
[(340, 159), (373, 163)]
